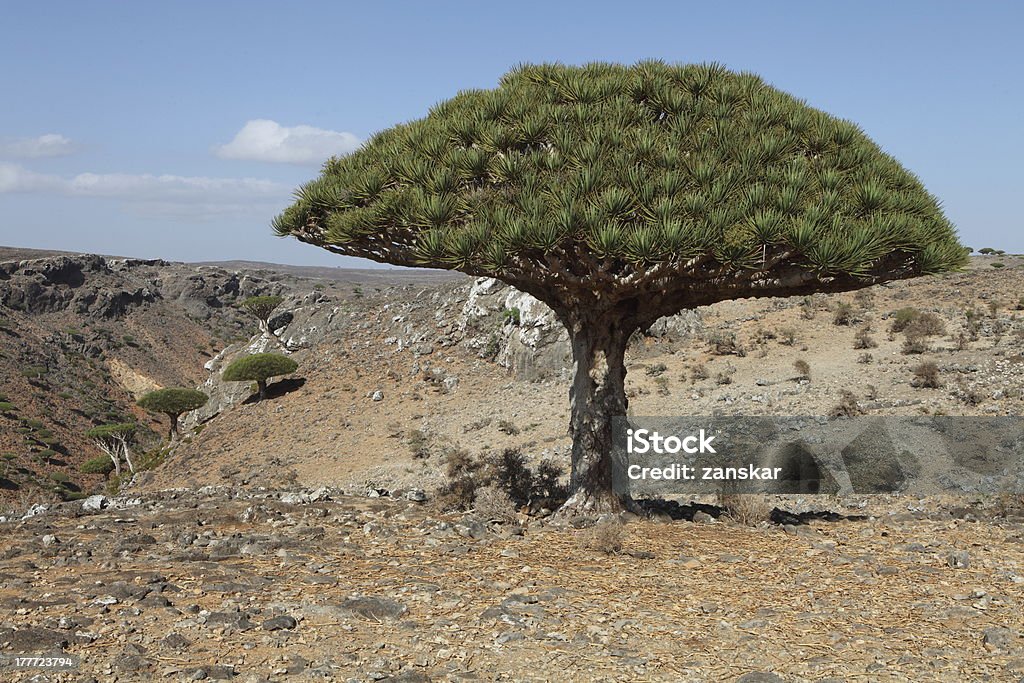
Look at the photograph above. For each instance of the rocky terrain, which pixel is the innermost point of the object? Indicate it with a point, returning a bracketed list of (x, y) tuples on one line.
[(302, 537), (215, 584)]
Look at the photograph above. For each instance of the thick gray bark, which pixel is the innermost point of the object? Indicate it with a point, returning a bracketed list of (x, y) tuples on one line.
[(597, 395)]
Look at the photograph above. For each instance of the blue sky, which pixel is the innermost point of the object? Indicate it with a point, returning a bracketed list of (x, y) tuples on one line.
[(178, 129)]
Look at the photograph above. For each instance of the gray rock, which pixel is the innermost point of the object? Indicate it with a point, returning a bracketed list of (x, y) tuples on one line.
[(175, 641), (283, 622), (959, 559), (95, 503), (416, 495), (760, 677), (295, 498), (370, 607), (471, 528), (998, 638), (50, 539), (35, 510), (377, 395), (701, 517)]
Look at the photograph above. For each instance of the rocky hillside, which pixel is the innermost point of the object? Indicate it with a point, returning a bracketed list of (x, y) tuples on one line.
[(397, 371), (388, 384), (81, 336)]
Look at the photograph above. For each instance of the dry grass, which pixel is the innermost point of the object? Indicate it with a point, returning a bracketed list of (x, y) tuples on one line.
[(748, 509), (494, 504), (606, 537)]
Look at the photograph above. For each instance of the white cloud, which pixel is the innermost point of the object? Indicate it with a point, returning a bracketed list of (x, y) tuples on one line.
[(155, 194), (49, 145), (265, 140), (14, 178)]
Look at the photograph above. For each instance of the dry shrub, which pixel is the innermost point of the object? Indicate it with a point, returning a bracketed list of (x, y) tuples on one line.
[(844, 315), (864, 340), (915, 343), (699, 372), (848, 406), (803, 368), (459, 493), (507, 472), (494, 504), (748, 509), (926, 325), (926, 375), (1010, 504), (725, 344), (606, 537)]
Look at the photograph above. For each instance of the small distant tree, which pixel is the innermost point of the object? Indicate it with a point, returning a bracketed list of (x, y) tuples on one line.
[(172, 402), (115, 440), (261, 308), (98, 465), (258, 368)]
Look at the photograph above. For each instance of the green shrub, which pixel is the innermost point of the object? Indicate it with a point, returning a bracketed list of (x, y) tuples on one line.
[(34, 371), (7, 407), (101, 464), (903, 317)]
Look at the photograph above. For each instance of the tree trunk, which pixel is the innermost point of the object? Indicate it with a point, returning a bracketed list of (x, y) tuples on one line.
[(117, 464), (265, 329), (174, 427), (261, 384), (126, 451), (597, 395)]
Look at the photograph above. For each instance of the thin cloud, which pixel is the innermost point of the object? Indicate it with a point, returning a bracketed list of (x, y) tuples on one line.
[(42, 147), (266, 140), (154, 194)]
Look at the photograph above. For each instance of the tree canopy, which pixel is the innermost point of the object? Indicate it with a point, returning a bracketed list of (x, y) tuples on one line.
[(112, 431), (259, 367), (604, 182), (262, 306), (173, 401)]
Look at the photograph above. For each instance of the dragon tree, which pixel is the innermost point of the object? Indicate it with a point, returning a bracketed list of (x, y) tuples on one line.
[(620, 194)]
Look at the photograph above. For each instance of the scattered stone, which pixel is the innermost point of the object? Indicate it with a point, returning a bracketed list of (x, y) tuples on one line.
[(175, 641), (35, 510), (760, 677), (959, 559), (283, 622), (998, 638), (377, 396), (370, 607), (95, 503), (701, 517)]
